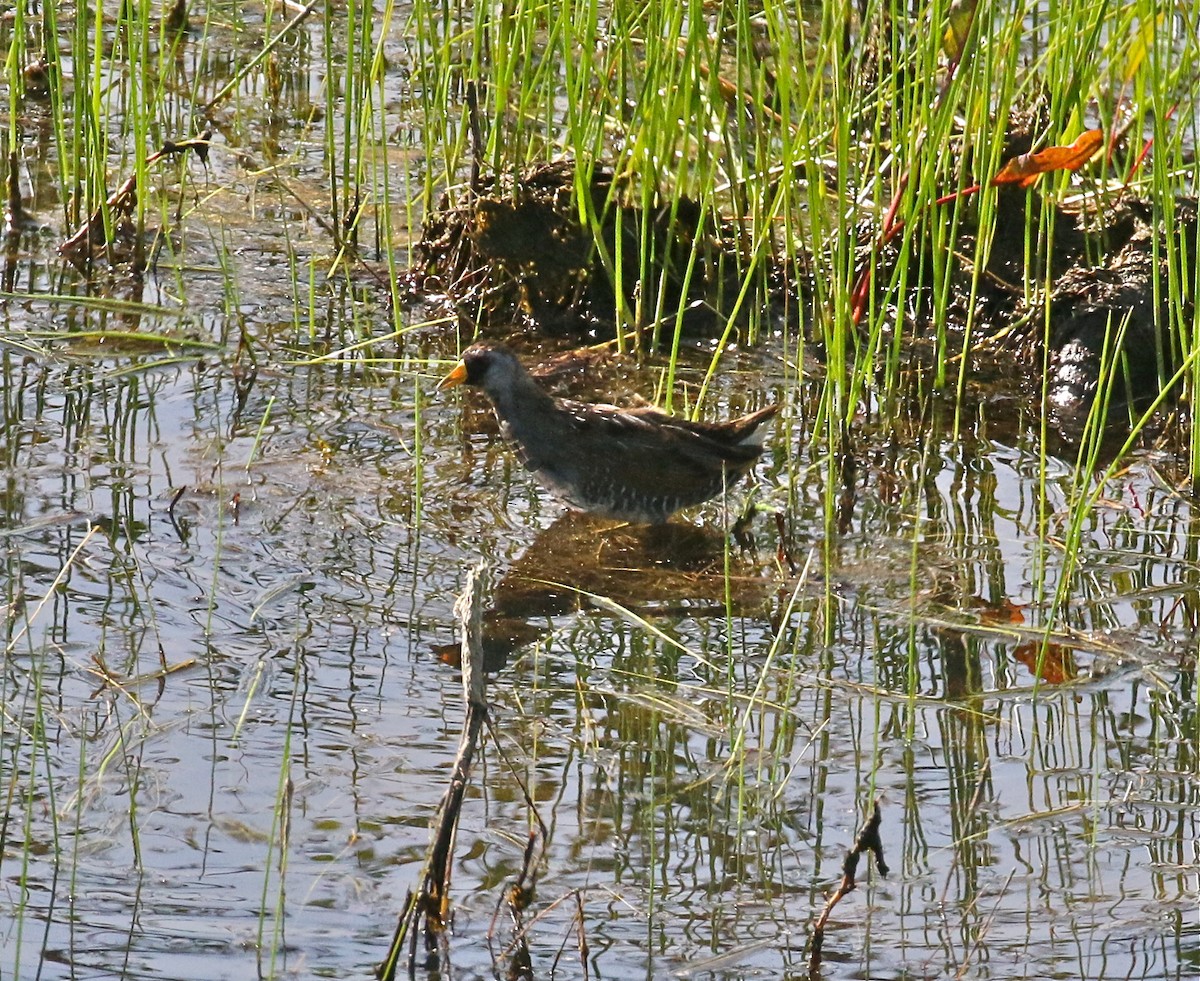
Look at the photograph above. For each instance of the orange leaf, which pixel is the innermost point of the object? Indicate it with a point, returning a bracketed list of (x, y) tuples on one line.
[(1028, 167), (1057, 663), (1006, 611)]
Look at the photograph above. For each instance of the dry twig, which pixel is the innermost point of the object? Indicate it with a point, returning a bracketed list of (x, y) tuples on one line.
[(868, 840), (430, 905)]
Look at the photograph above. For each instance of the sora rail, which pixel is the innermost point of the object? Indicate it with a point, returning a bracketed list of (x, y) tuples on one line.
[(638, 465)]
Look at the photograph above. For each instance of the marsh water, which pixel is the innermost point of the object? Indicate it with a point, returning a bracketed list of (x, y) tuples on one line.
[(232, 542)]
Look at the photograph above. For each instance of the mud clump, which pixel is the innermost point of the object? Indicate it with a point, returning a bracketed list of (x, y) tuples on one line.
[(1118, 313), (1107, 316), (515, 251)]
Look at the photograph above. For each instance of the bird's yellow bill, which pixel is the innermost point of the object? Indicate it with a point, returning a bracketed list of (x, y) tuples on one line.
[(456, 377)]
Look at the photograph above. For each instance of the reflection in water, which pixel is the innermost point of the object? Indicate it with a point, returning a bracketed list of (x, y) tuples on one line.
[(702, 771), (581, 560)]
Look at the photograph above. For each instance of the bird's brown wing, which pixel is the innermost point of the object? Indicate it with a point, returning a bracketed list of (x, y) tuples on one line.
[(637, 463), (651, 454), (728, 443)]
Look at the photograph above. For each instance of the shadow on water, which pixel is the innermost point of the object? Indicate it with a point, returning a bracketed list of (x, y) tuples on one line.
[(582, 561)]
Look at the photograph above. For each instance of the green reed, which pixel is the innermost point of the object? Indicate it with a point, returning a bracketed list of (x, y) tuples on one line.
[(805, 134), (808, 135)]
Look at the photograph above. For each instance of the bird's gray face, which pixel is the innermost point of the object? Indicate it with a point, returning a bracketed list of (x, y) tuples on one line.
[(493, 370), (496, 370), (478, 362), (477, 368)]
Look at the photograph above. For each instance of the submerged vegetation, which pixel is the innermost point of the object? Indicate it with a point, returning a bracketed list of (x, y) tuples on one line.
[(960, 613)]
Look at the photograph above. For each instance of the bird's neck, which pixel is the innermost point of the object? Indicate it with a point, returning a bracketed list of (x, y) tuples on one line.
[(524, 392)]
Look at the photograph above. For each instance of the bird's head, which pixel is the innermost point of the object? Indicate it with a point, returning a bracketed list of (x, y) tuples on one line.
[(492, 367)]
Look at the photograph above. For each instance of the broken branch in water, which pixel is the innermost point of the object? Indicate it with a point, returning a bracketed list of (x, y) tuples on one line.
[(868, 840), (429, 906), (91, 233)]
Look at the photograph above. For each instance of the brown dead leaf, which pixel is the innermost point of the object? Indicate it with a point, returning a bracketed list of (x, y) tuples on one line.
[(1058, 663), (1028, 167)]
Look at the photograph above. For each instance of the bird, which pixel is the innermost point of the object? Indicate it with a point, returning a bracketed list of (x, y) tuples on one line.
[(638, 465)]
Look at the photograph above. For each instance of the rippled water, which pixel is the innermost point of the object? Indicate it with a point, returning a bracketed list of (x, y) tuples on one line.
[(231, 706), (700, 781)]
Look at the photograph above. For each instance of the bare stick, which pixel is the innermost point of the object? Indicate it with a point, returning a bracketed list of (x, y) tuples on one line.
[(430, 905), (123, 199), (868, 840)]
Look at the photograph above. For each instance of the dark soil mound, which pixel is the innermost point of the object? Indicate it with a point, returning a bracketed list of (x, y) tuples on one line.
[(515, 252), (1118, 313), (1107, 317)]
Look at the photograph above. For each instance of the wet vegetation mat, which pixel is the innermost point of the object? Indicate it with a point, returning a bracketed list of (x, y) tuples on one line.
[(517, 252), (306, 673)]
